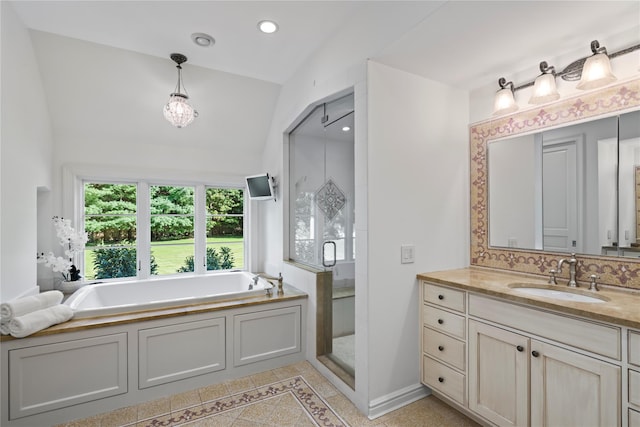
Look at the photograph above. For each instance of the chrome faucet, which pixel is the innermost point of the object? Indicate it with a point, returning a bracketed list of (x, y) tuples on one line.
[(269, 279), (572, 269)]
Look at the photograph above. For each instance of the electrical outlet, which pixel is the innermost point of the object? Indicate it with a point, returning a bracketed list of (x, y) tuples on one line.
[(407, 254)]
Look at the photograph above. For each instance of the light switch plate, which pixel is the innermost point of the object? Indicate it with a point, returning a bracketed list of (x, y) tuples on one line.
[(407, 254)]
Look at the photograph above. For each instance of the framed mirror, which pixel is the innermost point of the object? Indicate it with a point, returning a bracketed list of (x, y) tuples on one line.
[(570, 149), (556, 190)]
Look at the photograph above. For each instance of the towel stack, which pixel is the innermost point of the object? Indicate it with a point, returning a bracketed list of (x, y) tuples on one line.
[(25, 316)]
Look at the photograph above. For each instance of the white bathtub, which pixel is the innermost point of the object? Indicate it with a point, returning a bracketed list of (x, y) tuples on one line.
[(130, 296)]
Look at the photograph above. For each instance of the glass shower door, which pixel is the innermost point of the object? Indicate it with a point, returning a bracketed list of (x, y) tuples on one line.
[(321, 153)]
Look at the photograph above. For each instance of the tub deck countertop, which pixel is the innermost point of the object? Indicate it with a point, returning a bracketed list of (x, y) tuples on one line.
[(73, 325), (622, 306)]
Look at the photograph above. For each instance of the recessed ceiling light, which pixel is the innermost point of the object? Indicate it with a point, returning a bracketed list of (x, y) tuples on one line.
[(267, 27), (346, 129), (202, 39)]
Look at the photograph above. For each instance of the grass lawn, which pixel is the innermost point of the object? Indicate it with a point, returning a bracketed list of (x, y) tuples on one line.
[(170, 255)]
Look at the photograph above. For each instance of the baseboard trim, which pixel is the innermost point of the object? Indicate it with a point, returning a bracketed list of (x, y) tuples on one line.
[(392, 401)]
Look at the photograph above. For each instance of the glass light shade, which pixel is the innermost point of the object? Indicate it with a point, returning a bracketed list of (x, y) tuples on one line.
[(596, 72), (178, 111), (544, 89), (504, 102)]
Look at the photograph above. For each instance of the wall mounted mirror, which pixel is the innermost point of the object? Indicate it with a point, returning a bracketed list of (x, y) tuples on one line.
[(557, 190), (561, 178)]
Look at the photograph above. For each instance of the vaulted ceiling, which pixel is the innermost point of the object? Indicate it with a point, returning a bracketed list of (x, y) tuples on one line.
[(461, 43), (106, 70)]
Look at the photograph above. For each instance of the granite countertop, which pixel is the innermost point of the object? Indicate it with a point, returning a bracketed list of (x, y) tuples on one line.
[(73, 325), (622, 306)]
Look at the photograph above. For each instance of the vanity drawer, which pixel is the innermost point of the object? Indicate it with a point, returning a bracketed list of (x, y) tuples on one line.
[(443, 379), (445, 297), (443, 347), (634, 348), (443, 321), (634, 418), (584, 334), (634, 387)]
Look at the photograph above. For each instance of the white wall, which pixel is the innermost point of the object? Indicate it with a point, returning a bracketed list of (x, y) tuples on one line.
[(106, 109), (428, 142), (627, 188), (418, 176), (295, 97), (25, 156), (512, 196), (338, 66), (607, 151)]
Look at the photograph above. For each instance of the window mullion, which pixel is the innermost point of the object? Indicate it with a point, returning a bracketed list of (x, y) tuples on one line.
[(143, 241), (200, 230)]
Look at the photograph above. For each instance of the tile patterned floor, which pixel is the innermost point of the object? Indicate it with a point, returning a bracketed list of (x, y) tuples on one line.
[(295, 395)]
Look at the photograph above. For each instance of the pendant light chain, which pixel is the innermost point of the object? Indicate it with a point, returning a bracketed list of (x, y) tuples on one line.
[(178, 111)]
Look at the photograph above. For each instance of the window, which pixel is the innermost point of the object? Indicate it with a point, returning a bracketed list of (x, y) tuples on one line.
[(141, 229), (225, 225), (110, 222), (172, 222)]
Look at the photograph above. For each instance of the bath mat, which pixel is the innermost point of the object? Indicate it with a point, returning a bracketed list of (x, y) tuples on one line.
[(291, 402)]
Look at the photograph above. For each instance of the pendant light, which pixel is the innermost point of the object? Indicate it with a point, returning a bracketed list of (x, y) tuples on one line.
[(596, 71), (178, 111), (544, 87)]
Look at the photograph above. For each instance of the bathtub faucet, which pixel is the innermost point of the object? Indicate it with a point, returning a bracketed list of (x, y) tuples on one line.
[(269, 279)]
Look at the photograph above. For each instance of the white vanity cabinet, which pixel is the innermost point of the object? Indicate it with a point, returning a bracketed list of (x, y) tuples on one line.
[(498, 374), (634, 378), (443, 343), (567, 386), (531, 367), (561, 381)]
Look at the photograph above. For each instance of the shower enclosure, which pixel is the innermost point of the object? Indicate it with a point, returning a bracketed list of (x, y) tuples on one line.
[(321, 222)]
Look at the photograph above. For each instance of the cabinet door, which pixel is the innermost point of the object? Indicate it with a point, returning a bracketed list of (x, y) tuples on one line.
[(263, 335), (568, 388), (498, 374), (53, 376), (162, 357)]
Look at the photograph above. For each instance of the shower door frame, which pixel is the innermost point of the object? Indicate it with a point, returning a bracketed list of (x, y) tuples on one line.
[(324, 275)]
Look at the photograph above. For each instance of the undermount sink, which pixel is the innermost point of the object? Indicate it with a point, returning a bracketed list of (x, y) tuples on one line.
[(556, 292)]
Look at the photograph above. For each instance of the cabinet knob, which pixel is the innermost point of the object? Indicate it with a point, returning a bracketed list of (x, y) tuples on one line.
[(440, 379), (440, 321), (440, 296), (520, 348), (535, 353), (441, 347)]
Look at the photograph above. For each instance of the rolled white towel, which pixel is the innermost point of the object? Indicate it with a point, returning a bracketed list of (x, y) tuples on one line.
[(22, 306), (4, 328), (33, 322)]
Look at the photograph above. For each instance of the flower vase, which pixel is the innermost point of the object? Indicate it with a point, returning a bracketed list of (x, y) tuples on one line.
[(69, 287)]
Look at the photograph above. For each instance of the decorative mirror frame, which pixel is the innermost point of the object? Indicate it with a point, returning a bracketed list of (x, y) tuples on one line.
[(616, 271)]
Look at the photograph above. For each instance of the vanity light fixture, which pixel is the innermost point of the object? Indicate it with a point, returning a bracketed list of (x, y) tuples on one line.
[(178, 111), (593, 72), (596, 71), (504, 102), (267, 27), (544, 87), (346, 129)]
